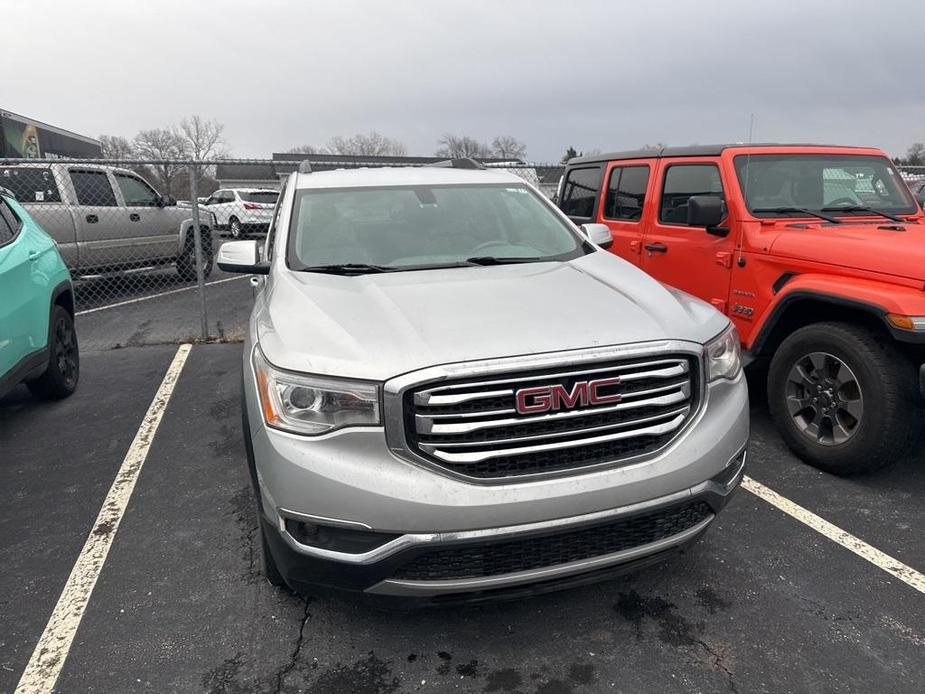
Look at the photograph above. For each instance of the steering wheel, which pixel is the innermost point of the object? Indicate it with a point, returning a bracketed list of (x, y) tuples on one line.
[(838, 201), (488, 244)]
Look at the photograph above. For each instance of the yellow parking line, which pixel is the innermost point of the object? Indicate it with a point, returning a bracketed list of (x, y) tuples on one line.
[(44, 667), (881, 560)]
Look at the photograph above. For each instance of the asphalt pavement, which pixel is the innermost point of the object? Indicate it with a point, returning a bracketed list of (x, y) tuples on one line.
[(762, 603)]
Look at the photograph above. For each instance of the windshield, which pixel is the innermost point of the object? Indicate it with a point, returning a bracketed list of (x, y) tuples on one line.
[(265, 196), (426, 226), (789, 185)]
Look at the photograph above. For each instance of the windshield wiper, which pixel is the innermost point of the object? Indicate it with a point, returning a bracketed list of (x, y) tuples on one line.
[(801, 210), (863, 208), (349, 269), (495, 260)]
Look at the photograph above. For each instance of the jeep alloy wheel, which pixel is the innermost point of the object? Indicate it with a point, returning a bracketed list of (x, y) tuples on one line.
[(824, 398)]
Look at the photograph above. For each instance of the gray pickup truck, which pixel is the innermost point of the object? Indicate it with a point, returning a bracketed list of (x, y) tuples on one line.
[(108, 220)]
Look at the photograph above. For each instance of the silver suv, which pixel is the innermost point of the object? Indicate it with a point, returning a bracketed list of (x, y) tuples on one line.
[(451, 391)]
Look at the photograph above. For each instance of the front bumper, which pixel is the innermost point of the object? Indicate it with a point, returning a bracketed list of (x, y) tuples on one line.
[(383, 573)]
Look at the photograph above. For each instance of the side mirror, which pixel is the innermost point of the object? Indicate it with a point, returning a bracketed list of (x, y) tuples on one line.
[(166, 201), (243, 257), (598, 234), (707, 211)]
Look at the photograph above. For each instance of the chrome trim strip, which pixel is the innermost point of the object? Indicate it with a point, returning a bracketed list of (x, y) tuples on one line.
[(394, 586), (561, 434), (478, 456), (504, 532), (425, 397), (394, 389), (424, 424)]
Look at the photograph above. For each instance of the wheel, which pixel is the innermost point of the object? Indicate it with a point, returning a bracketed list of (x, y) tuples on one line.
[(234, 226), (63, 371), (186, 262), (843, 397)]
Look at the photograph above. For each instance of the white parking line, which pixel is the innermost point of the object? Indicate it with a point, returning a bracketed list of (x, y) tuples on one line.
[(154, 296), (883, 561), (44, 667)]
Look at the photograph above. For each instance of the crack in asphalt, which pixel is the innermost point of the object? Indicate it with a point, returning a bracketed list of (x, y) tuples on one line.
[(296, 651), (718, 663)]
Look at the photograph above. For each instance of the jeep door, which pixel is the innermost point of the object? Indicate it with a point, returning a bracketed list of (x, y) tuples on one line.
[(103, 231), (680, 255), (152, 226), (626, 190)]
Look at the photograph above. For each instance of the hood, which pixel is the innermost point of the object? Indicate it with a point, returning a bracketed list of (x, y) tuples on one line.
[(866, 246), (381, 325)]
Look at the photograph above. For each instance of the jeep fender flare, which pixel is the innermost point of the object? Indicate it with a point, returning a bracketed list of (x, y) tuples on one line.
[(871, 297)]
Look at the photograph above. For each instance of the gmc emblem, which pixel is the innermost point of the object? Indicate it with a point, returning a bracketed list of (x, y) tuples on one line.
[(558, 397)]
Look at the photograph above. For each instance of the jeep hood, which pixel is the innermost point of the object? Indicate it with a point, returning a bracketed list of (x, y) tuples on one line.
[(378, 326), (860, 246)]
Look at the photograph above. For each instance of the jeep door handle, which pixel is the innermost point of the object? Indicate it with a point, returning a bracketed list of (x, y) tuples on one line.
[(92, 219), (656, 247), (134, 217), (33, 256)]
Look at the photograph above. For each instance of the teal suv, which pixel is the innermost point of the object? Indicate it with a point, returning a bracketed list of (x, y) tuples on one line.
[(38, 344)]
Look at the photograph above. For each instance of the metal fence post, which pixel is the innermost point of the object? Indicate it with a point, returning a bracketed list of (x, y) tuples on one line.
[(197, 242)]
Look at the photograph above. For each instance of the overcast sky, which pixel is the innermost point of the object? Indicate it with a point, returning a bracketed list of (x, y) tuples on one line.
[(591, 74)]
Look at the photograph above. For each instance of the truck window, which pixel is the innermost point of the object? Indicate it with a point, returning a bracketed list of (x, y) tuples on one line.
[(580, 192), (30, 183), (682, 181), (626, 192), (93, 188), (136, 192)]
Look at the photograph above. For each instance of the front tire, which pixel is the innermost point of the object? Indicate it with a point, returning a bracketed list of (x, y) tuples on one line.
[(235, 228), (60, 378), (842, 397), (186, 262)]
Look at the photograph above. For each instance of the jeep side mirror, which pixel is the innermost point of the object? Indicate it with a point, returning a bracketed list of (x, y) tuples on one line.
[(598, 234), (242, 257), (707, 211)]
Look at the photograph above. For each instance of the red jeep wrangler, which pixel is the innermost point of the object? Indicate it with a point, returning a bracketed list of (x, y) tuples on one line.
[(817, 254)]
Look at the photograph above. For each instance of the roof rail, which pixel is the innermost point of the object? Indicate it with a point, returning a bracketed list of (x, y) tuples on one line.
[(305, 166), (458, 163)]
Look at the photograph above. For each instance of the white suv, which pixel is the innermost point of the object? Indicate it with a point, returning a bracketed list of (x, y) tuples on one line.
[(243, 210)]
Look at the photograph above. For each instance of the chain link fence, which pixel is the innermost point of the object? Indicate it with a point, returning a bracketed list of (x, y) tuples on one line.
[(127, 231)]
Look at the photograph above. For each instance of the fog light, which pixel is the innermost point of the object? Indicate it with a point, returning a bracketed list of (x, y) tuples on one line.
[(334, 539)]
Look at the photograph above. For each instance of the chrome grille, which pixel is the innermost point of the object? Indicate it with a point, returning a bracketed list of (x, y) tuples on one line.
[(473, 427)]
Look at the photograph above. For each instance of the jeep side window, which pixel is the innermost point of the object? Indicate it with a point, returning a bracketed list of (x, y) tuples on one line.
[(580, 192), (93, 188), (136, 192), (683, 181), (9, 223), (626, 193)]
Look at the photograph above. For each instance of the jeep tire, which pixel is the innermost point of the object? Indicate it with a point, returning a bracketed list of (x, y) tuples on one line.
[(843, 397)]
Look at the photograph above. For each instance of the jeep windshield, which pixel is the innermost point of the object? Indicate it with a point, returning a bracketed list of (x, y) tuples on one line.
[(388, 229), (822, 185)]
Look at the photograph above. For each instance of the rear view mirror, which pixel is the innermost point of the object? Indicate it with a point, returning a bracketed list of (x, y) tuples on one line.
[(598, 234), (243, 257), (707, 211)]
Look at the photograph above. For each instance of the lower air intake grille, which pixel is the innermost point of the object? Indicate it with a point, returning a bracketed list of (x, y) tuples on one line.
[(510, 556)]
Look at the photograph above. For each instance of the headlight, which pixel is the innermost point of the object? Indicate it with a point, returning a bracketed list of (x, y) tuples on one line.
[(313, 405), (724, 356)]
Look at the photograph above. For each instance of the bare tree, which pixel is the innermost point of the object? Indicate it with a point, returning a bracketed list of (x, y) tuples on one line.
[(304, 149), (116, 147), (459, 146), (508, 147), (915, 155), (203, 138), (570, 153), (162, 143), (371, 144)]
